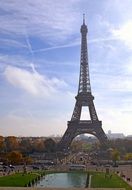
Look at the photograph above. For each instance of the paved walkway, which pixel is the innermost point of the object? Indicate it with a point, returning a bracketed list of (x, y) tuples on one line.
[(126, 173), (25, 188)]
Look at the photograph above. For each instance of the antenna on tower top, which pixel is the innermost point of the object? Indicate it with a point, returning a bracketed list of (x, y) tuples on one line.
[(83, 18)]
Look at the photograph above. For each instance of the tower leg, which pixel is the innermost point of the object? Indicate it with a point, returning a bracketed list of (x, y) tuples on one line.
[(67, 138)]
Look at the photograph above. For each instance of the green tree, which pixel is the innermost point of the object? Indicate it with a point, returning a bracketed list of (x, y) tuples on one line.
[(26, 146), (76, 146), (50, 145), (115, 155), (128, 156), (86, 147)]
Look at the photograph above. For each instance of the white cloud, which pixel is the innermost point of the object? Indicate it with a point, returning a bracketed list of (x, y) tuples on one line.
[(128, 67), (39, 18), (32, 82), (98, 40), (108, 83), (120, 83), (124, 33), (15, 60)]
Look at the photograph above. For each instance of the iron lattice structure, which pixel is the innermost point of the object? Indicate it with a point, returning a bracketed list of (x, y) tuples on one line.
[(76, 126)]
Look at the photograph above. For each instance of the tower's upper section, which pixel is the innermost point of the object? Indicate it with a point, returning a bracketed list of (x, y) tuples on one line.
[(84, 79), (84, 29)]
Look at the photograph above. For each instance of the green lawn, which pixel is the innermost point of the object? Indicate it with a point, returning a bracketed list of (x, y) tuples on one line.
[(17, 180), (99, 181)]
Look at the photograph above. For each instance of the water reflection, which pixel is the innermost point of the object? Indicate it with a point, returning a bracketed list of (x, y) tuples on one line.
[(76, 179), (63, 180)]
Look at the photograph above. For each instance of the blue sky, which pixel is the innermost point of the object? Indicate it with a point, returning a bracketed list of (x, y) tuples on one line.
[(40, 58)]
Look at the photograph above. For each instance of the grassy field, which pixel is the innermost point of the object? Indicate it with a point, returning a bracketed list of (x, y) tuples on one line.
[(17, 180), (99, 181)]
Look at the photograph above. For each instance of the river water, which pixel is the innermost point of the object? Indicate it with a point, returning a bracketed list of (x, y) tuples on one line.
[(63, 180)]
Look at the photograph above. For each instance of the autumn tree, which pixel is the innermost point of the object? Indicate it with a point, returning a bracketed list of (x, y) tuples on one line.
[(2, 145), (38, 145), (27, 160), (14, 157), (11, 143)]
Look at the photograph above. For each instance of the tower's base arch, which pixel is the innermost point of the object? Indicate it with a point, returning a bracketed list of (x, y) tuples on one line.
[(76, 128)]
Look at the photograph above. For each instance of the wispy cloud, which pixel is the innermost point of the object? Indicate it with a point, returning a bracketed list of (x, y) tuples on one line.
[(14, 60), (112, 84), (11, 43), (29, 46), (98, 40), (37, 18), (74, 43), (124, 33), (122, 85), (128, 67), (29, 62), (32, 82)]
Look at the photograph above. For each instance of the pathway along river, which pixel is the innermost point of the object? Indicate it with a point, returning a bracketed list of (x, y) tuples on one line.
[(63, 180)]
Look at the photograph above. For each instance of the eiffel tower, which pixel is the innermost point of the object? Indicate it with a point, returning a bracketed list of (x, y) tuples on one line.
[(76, 126)]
